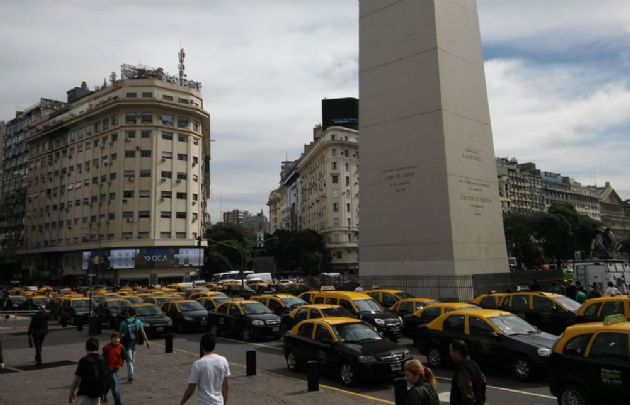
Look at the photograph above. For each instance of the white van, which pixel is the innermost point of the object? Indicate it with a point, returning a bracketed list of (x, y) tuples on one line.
[(266, 277)]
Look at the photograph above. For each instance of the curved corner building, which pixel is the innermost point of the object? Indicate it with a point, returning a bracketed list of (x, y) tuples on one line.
[(118, 182)]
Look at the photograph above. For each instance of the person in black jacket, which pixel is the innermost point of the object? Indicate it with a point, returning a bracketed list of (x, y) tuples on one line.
[(468, 386), (1, 358), (423, 384), (91, 376), (37, 331)]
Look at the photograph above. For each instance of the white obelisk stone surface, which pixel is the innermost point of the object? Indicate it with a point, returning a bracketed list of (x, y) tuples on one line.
[(429, 195)]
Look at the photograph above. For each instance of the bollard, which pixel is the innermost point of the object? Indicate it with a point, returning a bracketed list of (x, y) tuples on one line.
[(400, 391), (94, 327), (312, 375), (168, 344), (251, 362)]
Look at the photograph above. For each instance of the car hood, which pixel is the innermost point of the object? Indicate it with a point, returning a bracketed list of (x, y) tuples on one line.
[(265, 317), (198, 313), (374, 348), (378, 315), (154, 319), (542, 339)]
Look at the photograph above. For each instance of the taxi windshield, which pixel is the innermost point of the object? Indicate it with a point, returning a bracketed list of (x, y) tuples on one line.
[(148, 311), (368, 306), (355, 332), (337, 312), (81, 304), (18, 299), (40, 301), (134, 300), (293, 302), (568, 303), (191, 306), (255, 309), (221, 300), (117, 304), (511, 325), (403, 295)]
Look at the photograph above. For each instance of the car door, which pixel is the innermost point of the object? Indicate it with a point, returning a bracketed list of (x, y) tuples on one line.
[(234, 320), (482, 340), (324, 350), (519, 306), (546, 315), (608, 365), (302, 342), (275, 306), (611, 308), (591, 312), (454, 327), (387, 300)]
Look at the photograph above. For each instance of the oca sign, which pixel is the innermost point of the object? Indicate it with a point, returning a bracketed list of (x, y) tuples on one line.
[(155, 258)]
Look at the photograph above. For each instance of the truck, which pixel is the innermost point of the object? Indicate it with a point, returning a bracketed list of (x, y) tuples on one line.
[(600, 271)]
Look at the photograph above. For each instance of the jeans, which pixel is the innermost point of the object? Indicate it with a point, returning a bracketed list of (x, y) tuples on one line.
[(131, 360), (114, 386), (38, 340)]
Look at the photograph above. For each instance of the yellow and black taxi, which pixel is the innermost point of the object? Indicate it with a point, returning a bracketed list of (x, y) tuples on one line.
[(406, 307), (308, 296), (489, 301), (133, 299), (245, 319), (387, 298), (205, 294), (345, 347), (35, 301), (75, 310), (279, 304), (186, 315), (312, 311), (211, 303), (597, 309), (548, 311), (495, 339), (15, 302), (364, 307), (590, 363), (429, 313), (160, 300), (110, 311), (154, 321)]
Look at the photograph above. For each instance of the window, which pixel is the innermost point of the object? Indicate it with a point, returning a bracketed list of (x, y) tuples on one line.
[(131, 118), (165, 194), (168, 98), (130, 173), (145, 173), (302, 314), (113, 156), (333, 152), (195, 197), (610, 346), (145, 134), (167, 155), (195, 160), (182, 122), (181, 196), (195, 178), (520, 302), (144, 214), (165, 214), (143, 235), (130, 153), (146, 118), (180, 214), (478, 326), (542, 304), (183, 101), (130, 134), (454, 323), (306, 330), (182, 156), (127, 235), (195, 141), (348, 207), (347, 181), (182, 138), (167, 120), (335, 179), (335, 207), (111, 216), (132, 95), (167, 136), (166, 174), (128, 214), (323, 335), (165, 235), (145, 153), (488, 303), (428, 315), (611, 308), (577, 345), (195, 216), (145, 193), (147, 94), (181, 176), (180, 235)]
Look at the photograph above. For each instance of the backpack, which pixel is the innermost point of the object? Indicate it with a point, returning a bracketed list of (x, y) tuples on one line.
[(132, 335), (98, 379)]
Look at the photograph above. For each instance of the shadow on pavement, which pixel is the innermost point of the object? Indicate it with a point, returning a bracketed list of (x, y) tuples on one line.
[(32, 367)]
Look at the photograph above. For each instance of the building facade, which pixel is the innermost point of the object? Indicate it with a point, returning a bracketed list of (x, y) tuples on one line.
[(615, 212), (253, 223), (560, 189), (320, 191), (121, 174)]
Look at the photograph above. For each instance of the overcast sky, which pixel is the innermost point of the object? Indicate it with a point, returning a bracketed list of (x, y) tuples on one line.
[(557, 74)]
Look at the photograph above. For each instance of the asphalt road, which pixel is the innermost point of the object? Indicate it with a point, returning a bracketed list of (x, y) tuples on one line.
[(501, 390)]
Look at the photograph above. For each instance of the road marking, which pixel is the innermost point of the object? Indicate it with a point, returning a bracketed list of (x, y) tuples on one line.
[(196, 354), (533, 394)]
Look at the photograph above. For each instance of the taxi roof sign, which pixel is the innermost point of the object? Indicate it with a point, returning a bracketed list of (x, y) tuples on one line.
[(327, 288), (611, 319)]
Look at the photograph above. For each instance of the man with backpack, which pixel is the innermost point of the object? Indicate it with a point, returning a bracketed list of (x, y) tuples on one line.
[(131, 334), (91, 377)]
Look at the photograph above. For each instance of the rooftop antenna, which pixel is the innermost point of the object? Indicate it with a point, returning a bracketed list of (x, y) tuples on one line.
[(182, 75)]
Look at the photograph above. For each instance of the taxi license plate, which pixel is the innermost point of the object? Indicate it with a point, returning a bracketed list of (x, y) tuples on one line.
[(204, 322), (275, 329), (396, 367), (159, 329)]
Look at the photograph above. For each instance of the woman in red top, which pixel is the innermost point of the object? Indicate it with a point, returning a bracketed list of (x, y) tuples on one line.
[(114, 354)]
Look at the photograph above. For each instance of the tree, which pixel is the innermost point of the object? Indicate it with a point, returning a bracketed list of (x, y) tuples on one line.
[(299, 250), (222, 258), (519, 230)]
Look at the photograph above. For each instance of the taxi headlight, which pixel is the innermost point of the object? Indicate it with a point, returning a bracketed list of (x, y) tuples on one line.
[(258, 322), (170, 323), (379, 321), (400, 319), (366, 359), (544, 352)]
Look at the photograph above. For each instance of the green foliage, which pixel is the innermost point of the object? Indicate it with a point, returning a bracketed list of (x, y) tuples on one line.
[(305, 250), (227, 244)]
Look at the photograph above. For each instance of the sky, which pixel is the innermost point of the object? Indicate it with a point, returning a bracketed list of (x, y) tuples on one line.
[(556, 71)]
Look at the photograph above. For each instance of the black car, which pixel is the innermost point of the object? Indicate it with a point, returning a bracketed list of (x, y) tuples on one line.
[(495, 339), (15, 302), (548, 311), (110, 312), (153, 319), (186, 315), (75, 311), (312, 311), (245, 319), (346, 347)]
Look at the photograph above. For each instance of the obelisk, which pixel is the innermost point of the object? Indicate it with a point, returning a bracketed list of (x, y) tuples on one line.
[(429, 195)]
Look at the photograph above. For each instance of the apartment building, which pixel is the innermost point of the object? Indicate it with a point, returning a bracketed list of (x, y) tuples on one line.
[(118, 181)]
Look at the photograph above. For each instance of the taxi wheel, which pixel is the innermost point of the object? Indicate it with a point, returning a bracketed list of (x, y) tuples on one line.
[(434, 357), (347, 374), (571, 395), (293, 364), (523, 368)]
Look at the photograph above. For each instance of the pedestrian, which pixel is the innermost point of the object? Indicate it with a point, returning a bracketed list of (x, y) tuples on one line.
[(554, 288), (37, 331), (1, 358), (468, 386), (595, 292), (423, 384), (358, 289), (210, 373), (114, 354), (611, 291), (571, 290), (90, 377), (131, 333), (580, 295), (621, 286), (534, 286)]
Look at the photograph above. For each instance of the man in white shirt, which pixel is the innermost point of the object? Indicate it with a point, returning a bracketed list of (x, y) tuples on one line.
[(611, 291), (210, 373)]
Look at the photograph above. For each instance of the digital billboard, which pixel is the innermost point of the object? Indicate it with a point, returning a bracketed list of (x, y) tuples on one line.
[(341, 112), (144, 258)]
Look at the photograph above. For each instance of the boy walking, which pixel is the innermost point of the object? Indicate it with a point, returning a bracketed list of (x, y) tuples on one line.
[(114, 354), (210, 374), (131, 331)]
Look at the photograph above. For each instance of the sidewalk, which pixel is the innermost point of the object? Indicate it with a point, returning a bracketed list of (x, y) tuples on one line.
[(160, 377)]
